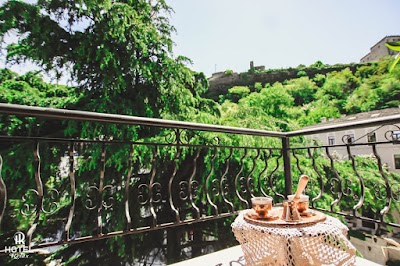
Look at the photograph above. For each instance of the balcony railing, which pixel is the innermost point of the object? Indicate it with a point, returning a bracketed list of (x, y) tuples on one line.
[(66, 188)]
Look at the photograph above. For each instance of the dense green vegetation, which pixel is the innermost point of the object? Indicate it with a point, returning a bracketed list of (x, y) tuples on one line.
[(304, 101), (119, 55)]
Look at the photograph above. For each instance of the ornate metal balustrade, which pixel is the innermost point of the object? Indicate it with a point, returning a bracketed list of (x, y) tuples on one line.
[(63, 189)]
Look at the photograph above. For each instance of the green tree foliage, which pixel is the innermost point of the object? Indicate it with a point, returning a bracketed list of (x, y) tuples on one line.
[(338, 85), (318, 64), (236, 93), (120, 51), (119, 55), (301, 73), (30, 89), (337, 93), (258, 86), (302, 90)]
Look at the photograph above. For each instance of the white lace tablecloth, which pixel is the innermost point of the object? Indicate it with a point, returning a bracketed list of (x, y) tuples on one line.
[(324, 243)]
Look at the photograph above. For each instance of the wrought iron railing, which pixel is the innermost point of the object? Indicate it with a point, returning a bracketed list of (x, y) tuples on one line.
[(63, 188)]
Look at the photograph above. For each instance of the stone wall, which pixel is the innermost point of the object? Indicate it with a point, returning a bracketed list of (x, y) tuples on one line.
[(219, 83)]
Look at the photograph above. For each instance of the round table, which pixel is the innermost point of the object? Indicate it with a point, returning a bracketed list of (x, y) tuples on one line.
[(322, 243)]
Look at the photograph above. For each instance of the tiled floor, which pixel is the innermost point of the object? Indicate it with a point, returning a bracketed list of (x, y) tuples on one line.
[(234, 257)]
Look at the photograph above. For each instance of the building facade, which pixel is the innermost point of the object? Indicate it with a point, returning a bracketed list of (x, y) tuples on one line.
[(380, 50), (388, 152)]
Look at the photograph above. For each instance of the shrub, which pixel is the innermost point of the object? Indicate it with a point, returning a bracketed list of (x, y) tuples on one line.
[(301, 73), (228, 72)]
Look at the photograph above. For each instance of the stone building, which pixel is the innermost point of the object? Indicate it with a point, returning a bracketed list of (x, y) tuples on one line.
[(380, 50)]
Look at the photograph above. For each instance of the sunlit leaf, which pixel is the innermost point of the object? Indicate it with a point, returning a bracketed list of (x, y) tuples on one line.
[(396, 60), (395, 46)]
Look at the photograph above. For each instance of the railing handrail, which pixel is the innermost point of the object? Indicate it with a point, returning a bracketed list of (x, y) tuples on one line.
[(54, 113), (45, 112)]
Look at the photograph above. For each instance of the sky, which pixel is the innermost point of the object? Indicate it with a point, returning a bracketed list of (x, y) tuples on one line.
[(218, 35)]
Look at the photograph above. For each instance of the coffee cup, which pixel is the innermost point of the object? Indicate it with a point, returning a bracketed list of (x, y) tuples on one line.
[(261, 205)]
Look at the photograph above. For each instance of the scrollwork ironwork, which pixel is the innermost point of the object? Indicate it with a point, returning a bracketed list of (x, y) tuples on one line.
[(28, 209), (143, 194), (360, 179), (320, 181), (215, 141), (395, 188), (38, 191), (215, 188), (224, 185), (195, 189), (156, 195), (348, 139), (334, 180), (250, 181), (242, 184), (151, 185), (262, 180), (54, 195), (194, 185), (393, 135), (239, 178), (171, 137), (89, 205), (172, 178), (297, 161), (348, 191), (385, 209), (332, 183), (271, 176), (183, 190), (178, 136), (208, 178), (92, 195), (377, 188), (109, 201)]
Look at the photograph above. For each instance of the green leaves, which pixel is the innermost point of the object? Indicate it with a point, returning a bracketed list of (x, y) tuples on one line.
[(119, 50), (396, 60), (395, 46)]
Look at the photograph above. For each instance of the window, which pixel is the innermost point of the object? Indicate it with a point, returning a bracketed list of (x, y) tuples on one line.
[(396, 135), (331, 140), (397, 161), (372, 137), (350, 138)]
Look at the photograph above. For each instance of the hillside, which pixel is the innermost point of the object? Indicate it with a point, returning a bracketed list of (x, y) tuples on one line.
[(305, 100), (220, 82)]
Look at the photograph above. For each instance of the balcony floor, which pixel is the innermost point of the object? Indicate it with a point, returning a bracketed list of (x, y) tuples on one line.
[(234, 256)]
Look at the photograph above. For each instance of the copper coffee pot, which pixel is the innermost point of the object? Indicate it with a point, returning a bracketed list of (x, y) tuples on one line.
[(290, 212)]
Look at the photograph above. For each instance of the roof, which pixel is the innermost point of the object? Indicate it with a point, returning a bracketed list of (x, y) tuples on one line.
[(359, 117)]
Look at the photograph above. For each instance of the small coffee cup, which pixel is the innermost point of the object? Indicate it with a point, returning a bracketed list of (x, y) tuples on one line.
[(302, 204), (261, 205)]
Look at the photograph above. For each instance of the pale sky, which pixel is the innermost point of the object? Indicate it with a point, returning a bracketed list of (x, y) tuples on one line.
[(228, 34)]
